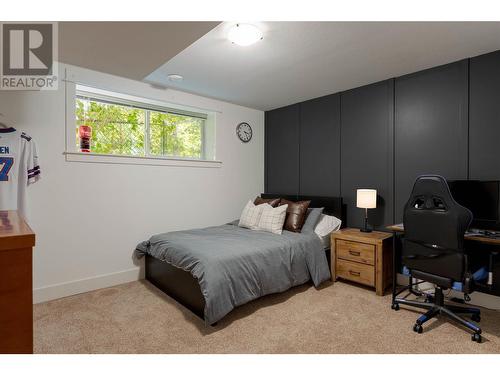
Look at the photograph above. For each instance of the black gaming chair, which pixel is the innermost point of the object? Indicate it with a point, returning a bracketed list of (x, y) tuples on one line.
[(433, 251)]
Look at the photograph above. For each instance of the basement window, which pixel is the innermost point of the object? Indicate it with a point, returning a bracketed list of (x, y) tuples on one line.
[(118, 125)]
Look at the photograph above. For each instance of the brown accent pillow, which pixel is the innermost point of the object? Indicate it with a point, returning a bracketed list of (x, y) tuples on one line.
[(273, 202), (295, 214)]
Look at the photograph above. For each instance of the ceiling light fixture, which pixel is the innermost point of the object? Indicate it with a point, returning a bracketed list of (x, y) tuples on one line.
[(244, 34), (175, 77)]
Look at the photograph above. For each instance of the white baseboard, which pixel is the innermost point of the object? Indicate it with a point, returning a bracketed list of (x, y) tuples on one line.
[(55, 291)]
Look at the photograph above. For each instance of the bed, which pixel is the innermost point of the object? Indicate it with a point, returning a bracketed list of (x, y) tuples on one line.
[(212, 270)]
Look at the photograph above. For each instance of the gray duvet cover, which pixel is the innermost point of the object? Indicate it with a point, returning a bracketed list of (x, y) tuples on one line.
[(235, 265)]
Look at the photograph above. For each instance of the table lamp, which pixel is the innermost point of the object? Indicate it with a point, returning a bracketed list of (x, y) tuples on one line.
[(366, 198)]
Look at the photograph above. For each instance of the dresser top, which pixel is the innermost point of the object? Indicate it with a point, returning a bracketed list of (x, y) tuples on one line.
[(354, 234), (14, 232)]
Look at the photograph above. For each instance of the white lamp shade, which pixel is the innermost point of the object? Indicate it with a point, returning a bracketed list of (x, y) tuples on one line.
[(366, 198)]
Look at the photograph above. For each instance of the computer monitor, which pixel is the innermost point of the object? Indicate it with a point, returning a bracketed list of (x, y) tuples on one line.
[(482, 198)]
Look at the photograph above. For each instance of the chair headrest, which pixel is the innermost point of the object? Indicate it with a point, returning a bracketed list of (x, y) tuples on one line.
[(431, 192)]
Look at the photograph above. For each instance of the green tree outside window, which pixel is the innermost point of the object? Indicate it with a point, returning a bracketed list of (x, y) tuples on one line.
[(121, 130)]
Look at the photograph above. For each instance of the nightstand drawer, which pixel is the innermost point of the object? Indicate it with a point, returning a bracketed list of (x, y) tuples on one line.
[(360, 273), (355, 251)]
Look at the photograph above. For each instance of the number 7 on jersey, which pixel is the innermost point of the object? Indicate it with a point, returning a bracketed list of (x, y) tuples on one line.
[(5, 165)]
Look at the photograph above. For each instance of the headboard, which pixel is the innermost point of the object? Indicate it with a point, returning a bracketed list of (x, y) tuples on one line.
[(333, 205)]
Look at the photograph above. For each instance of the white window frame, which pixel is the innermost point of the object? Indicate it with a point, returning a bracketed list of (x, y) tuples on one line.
[(73, 154)]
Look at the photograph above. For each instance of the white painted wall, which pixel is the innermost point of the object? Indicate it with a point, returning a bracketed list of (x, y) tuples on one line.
[(88, 217)]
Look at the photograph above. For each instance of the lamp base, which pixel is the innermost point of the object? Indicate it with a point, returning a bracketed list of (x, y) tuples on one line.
[(367, 228)]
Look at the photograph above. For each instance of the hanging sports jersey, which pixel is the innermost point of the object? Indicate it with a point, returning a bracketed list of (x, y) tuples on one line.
[(18, 168)]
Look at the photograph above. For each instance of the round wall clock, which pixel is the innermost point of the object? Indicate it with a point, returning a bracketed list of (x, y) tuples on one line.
[(244, 132)]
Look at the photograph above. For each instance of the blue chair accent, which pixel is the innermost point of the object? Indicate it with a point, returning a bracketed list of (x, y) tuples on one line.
[(480, 275)]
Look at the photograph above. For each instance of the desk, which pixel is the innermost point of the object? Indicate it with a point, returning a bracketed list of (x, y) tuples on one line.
[(16, 286), (398, 228), (487, 247)]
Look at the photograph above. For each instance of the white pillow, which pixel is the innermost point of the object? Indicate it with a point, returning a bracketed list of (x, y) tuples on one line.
[(326, 225), (272, 219), (250, 216)]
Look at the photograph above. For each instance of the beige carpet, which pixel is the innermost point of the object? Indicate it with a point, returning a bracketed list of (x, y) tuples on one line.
[(338, 318)]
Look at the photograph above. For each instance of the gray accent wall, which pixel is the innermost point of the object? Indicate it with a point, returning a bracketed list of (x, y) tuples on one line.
[(320, 142), (282, 150), (367, 138), (430, 127), (443, 120), (484, 120)]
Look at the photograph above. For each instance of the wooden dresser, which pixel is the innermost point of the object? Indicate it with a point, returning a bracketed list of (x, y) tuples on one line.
[(364, 258), (16, 284)]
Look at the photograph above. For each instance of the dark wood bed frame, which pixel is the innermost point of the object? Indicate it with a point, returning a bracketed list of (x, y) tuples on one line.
[(185, 289)]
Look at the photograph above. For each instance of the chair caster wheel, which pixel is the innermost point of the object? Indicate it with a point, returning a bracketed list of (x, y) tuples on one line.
[(418, 328), (476, 337), (476, 318), (395, 306)]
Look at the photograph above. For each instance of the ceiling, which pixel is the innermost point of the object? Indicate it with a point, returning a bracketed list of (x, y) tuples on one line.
[(297, 61), (127, 49)]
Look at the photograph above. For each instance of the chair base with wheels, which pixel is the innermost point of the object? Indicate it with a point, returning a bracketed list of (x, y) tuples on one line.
[(435, 306)]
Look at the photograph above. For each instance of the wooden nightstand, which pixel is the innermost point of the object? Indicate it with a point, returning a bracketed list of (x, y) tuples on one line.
[(364, 258)]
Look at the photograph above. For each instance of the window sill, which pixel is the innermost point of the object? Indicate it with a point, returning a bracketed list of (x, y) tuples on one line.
[(84, 157)]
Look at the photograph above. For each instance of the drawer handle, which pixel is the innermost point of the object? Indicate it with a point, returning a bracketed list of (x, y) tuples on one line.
[(355, 253), (354, 273)]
